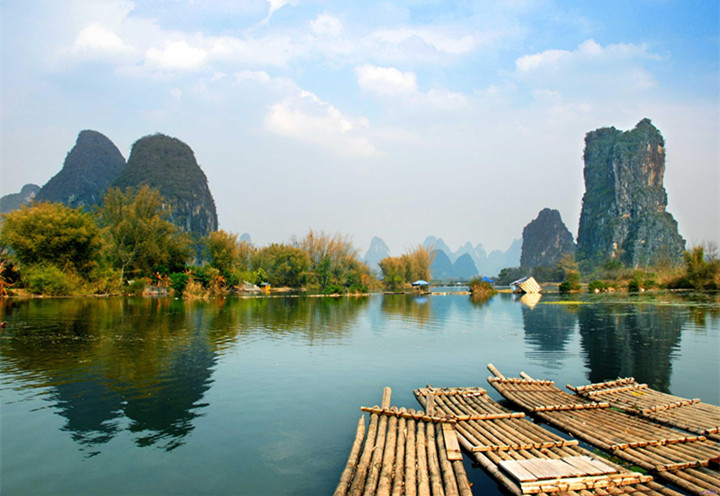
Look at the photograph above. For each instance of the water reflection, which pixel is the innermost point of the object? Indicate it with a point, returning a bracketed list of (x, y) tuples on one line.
[(548, 330), (530, 299), (144, 365), (408, 306), (630, 340)]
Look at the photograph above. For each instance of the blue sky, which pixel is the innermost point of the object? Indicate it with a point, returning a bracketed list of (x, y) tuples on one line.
[(398, 119)]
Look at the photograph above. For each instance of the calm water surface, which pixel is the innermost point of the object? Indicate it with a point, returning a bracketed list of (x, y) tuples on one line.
[(262, 396)]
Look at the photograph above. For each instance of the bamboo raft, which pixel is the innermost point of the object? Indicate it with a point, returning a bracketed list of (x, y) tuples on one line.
[(406, 452), (525, 458), (628, 395), (688, 461)]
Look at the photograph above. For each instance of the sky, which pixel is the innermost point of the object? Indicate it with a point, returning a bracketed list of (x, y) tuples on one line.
[(457, 119)]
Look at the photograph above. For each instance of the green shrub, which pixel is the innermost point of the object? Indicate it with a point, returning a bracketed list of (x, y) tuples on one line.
[(571, 282), (106, 280), (634, 286), (50, 280), (478, 286), (333, 289), (358, 289), (565, 287), (596, 286), (179, 280)]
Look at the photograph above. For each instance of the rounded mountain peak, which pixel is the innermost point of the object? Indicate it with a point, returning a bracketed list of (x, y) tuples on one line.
[(89, 168), (168, 165)]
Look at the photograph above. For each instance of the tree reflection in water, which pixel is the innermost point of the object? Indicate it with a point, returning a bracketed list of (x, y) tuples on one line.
[(145, 363)]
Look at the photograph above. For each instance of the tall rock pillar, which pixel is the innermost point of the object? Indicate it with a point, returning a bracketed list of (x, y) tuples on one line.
[(623, 214)]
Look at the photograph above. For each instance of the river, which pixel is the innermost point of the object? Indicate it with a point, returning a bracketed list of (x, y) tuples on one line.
[(261, 396)]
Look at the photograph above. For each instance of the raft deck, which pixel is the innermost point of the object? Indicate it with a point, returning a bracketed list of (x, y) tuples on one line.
[(628, 395), (688, 461), (524, 457), (406, 452)]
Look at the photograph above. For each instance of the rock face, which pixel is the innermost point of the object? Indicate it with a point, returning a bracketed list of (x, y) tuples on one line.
[(168, 165), (623, 212), (377, 251), (545, 241), (89, 168), (13, 201)]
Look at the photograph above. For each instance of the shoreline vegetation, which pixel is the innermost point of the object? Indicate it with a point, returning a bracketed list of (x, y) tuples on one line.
[(128, 246)]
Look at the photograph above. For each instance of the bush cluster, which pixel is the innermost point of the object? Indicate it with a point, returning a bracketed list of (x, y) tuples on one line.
[(129, 244)]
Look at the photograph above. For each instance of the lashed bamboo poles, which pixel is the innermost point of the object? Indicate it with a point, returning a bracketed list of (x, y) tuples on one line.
[(673, 456), (517, 430), (347, 474), (638, 399), (404, 454)]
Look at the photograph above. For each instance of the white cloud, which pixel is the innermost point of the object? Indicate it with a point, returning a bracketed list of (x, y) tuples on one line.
[(307, 118), (325, 24), (391, 82), (176, 55), (97, 39), (591, 69), (588, 52), (548, 58), (276, 5), (386, 80)]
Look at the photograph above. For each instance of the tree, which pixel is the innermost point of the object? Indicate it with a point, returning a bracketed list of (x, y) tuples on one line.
[(333, 260), (285, 265), (138, 234), (407, 268), (51, 233), (417, 264), (223, 251), (393, 271), (702, 265)]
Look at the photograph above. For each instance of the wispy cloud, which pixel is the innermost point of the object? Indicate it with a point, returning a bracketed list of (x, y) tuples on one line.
[(307, 118), (591, 69)]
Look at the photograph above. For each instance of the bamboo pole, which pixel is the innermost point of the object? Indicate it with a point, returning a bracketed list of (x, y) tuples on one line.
[(411, 459), (398, 477), (388, 461), (422, 464), (360, 474), (446, 468), (436, 483), (377, 457), (492, 469), (347, 474), (495, 371), (358, 482), (461, 477)]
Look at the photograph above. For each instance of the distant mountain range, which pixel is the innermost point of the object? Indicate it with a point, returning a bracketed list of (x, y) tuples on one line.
[(463, 264), (469, 261)]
